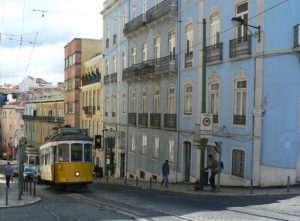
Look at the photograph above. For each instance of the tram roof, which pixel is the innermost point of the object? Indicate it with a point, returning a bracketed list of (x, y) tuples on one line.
[(64, 134)]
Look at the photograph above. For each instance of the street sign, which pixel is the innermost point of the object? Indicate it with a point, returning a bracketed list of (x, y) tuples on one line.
[(206, 125)]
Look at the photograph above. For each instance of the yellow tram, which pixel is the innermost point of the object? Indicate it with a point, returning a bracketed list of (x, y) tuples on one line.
[(66, 158)]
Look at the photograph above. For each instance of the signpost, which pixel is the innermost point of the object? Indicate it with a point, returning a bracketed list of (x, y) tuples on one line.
[(22, 144)]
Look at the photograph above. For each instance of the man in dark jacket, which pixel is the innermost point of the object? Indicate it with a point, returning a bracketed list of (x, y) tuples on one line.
[(165, 173), (8, 171), (213, 166)]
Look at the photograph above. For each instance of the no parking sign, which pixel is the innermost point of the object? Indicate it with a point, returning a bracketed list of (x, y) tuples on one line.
[(206, 125)]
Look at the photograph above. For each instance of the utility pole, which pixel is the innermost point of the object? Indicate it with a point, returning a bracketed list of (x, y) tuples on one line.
[(203, 108), (22, 145)]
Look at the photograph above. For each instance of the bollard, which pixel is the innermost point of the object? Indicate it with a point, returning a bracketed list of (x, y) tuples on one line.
[(288, 184), (251, 186), (136, 181), (6, 196), (30, 187), (150, 182), (24, 185), (34, 188)]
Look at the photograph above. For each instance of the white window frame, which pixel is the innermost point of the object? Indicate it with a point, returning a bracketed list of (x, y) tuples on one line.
[(123, 104), (171, 148), (189, 36), (145, 2), (144, 144), (133, 142), (156, 100), (133, 55), (188, 99), (214, 97), (171, 100), (157, 49), (240, 99), (114, 103), (155, 146), (133, 102), (172, 45), (134, 9), (241, 30), (145, 51), (114, 64), (215, 29), (144, 101)]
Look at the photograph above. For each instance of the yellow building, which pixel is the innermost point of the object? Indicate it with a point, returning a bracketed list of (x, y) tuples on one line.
[(44, 110), (91, 113)]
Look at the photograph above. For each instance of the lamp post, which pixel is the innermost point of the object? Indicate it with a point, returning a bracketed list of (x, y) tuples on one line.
[(203, 108), (241, 21)]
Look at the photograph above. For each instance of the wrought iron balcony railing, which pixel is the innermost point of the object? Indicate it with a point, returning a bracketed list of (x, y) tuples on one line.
[(92, 78), (50, 119), (188, 61), (134, 24), (163, 8), (106, 79), (113, 77), (170, 121), (240, 46), (214, 52), (143, 119), (132, 119), (239, 119), (155, 120)]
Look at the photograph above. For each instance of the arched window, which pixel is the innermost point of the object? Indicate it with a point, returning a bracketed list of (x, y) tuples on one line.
[(214, 34), (240, 101), (214, 98), (188, 99)]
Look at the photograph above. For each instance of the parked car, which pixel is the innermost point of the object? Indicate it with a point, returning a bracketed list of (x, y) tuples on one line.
[(28, 173)]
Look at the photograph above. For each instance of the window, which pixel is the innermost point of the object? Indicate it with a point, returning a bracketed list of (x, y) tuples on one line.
[(171, 145), (214, 29), (189, 36), (144, 100), (156, 100), (106, 105), (144, 143), (76, 152), (133, 142), (144, 6), (214, 100), (240, 102), (133, 102), (172, 45), (242, 11), (123, 60), (155, 146), (171, 100), (144, 52), (123, 105), (133, 55), (134, 9), (188, 99), (157, 48), (98, 99), (106, 66), (63, 153), (114, 64), (87, 153), (238, 163), (114, 104)]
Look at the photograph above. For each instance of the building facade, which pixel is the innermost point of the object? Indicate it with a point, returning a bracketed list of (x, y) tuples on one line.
[(92, 103), (76, 53)]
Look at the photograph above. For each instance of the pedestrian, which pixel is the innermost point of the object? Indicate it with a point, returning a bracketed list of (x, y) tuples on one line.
[(8, 171), (165, 173), (97, 171), (213, 166)]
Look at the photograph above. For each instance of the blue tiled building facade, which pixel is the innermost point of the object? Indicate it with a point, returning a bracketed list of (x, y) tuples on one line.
[(252, 89)]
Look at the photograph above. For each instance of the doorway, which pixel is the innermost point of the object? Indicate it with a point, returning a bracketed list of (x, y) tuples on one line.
[(122, 165), (187, 160)]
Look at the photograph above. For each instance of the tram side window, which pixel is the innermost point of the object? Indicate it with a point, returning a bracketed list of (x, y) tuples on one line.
[(76, 152), (87, 153), (63, 152)]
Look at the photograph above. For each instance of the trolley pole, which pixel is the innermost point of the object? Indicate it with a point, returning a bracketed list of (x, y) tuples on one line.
[(22, 144), (203, 108)]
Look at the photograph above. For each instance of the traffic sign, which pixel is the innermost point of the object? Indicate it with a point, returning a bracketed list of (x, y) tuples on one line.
[(206, 125)]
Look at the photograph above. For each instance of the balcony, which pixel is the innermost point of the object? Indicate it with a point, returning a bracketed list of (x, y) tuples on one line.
[(240, 46), (106, 79), (50, 119), (170, 121), (147, 69), (143, 119), (91, 78), (132, 119), (188, 61), (134, 24), (162, 9), (155, 120), (113, 77), (214, 53), (239, 119), (89, 110)]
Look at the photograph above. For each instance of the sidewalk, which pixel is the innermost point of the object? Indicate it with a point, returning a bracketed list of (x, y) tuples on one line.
[(188, 188), (13, 195)]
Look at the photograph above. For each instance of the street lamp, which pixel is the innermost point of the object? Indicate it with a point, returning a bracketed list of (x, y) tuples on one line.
[(240, 21)]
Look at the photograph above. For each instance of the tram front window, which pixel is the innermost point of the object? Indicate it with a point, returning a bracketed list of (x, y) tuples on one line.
[(87, 153), (63, 152), (76, 152)]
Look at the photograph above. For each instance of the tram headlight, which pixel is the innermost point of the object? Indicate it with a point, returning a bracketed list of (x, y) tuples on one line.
[(77, 173)]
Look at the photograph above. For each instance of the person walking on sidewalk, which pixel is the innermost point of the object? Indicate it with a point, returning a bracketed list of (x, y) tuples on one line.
[(213, 166), (165, 173), (8, 171)]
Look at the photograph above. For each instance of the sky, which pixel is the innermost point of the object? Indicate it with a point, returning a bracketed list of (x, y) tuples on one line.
[(34, 33)]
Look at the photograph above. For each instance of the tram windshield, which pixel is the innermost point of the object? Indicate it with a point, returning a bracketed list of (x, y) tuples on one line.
[(63, 152)]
